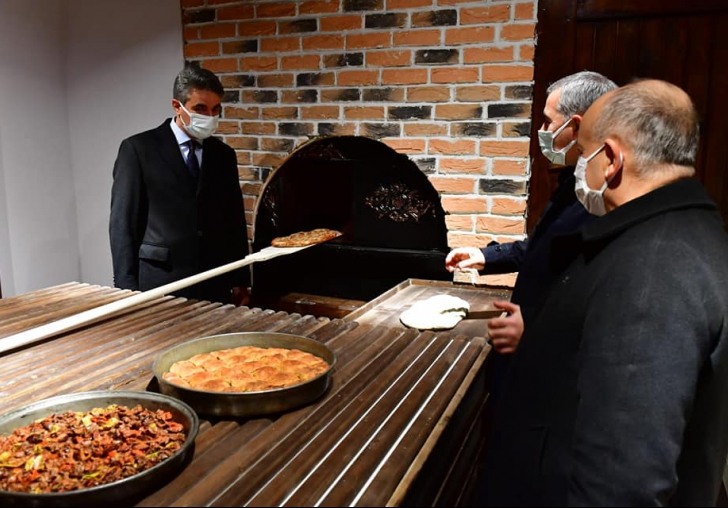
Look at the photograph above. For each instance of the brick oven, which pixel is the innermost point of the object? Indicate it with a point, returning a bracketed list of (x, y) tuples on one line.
[(447, 84), (390, 214)]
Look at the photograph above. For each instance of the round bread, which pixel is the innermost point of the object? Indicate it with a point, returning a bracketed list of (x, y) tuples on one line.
[(439, 312)]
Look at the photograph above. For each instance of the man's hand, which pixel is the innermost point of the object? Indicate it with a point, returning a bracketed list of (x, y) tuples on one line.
[(505, 332), (241, 296), (464, 258)]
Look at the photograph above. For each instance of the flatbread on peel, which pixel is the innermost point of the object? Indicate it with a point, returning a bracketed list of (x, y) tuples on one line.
[(439, 312)]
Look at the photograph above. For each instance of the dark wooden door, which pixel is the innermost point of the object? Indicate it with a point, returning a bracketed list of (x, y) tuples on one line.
[(684, 42)]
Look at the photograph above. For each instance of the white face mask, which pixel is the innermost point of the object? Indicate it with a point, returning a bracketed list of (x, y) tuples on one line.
[(546, 142), (200, 126), (593, 200)]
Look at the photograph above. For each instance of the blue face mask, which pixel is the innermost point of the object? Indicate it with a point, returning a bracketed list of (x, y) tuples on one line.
[(546, 142)]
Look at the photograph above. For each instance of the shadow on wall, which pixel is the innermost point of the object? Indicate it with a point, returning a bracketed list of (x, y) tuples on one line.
[(6, 264)]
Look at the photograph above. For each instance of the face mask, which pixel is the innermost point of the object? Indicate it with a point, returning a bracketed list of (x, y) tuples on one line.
[(200, 126), (546, 142), (593, 200)]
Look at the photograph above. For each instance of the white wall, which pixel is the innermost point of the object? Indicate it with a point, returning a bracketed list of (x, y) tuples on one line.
[(76, 77), (120, 75)]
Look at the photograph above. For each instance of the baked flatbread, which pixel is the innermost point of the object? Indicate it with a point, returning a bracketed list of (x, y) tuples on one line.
[(303, 238), (439, 312)]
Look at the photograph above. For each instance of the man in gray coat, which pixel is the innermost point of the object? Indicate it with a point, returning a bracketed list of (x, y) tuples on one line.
[(618, 392)]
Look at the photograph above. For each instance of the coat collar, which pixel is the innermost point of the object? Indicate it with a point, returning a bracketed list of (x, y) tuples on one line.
[(682, 194)]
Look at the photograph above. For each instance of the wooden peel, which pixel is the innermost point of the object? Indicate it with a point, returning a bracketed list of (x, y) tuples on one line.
[(110, 309)]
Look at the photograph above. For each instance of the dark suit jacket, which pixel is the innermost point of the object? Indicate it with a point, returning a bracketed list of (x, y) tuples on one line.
[(616, 395), (165, 226)]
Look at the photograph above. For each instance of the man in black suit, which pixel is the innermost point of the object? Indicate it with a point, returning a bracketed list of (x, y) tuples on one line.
[(616, 395), (176, 204)]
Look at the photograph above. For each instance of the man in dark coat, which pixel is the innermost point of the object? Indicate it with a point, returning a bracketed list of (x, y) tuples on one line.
[(177, 208), (567, 100), (616, 395)]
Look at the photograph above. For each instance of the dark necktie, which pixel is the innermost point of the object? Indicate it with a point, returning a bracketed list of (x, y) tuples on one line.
[(192, 164)]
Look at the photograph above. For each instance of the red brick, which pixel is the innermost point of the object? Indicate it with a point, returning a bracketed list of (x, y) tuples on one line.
[(363, 112), (278, 113), (509, 167), (478, 93), (276, 10), (526, 52), (455, 240), (453, 185), (452, 147), (408, 4), (190, 33), (250, 28), (473, 35), (404, 77), (275, 80), (227, 127), (258, 63), (341, 23), (217, 65), (507, 206), (406, 145), (506, 73), (191, 3), (456, 75), (425, 129), (272, 160), (500, 225), (454, 204), (417, 38), (458, 112), (300, 62), (388, 58), (320, 113), (242, 142), (236, 12), (525, 11), (504, 148), (319, 7), (242, 113), (352, 78), (368, 40), (258, 128), (463, 166), (520, 32), (490, 14), (280, 44), (428, 94), (488, 54), (459, 222), (193, 50), (320, 42)]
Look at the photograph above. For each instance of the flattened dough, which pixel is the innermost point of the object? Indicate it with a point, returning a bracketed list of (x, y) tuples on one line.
[(439, 312)]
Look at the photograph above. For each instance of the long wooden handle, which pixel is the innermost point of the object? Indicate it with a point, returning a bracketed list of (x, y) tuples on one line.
[(98, 313)]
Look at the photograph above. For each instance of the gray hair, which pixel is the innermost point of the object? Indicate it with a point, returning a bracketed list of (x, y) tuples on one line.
[(192, 76), (579, 91), (656, 120)]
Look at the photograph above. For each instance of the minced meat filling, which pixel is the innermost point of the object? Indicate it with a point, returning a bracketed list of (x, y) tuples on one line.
[(74, 450)]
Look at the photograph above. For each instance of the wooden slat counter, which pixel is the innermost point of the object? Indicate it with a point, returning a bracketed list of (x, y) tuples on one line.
[(382, 429)]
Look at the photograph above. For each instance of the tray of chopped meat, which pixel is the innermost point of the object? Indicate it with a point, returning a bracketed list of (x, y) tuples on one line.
[(245, 374), (95, 447)]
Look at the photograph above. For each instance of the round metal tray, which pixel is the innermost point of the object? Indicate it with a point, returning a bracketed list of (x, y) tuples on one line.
[(118, 491), (245, 404)]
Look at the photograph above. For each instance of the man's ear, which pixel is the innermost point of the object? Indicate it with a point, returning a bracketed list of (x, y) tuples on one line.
[(614, 152), (576, 123)]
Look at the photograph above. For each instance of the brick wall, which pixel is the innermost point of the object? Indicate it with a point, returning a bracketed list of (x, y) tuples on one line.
[(447, 82)]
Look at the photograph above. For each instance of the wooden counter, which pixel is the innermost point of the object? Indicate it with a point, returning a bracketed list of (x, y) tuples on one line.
[(400, 424)]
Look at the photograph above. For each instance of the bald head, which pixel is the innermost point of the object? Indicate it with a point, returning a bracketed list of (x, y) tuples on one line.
[(655, 120)]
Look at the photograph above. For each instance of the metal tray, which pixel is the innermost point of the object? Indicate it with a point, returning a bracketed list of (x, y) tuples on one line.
[(114, 492), (245, 404)]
